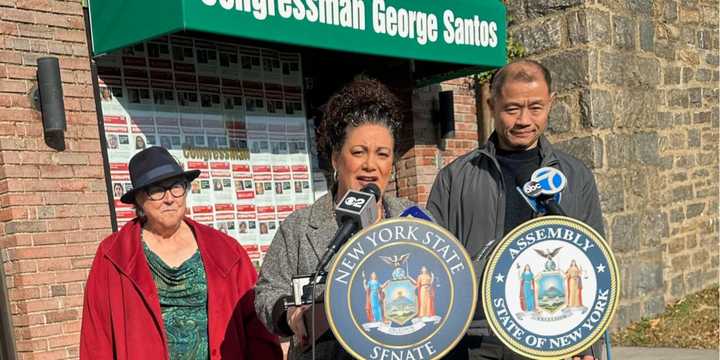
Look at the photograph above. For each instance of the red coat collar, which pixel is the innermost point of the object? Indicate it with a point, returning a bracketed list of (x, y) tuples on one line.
[(124, 250), (220, 254)]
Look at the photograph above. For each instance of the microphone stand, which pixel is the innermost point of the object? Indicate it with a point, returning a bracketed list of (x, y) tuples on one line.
[(344, 232), (312, 316), (313, 282), (319, 272)]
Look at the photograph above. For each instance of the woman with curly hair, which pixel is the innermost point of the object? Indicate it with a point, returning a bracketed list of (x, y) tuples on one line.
[(359, 132)]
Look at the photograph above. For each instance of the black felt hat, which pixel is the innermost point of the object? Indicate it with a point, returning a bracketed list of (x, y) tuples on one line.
[(151, 166)]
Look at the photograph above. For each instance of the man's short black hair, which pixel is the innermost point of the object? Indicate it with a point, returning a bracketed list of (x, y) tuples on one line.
[(497, 81)]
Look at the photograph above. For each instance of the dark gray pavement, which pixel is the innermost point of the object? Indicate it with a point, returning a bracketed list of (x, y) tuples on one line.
[(636, 353)]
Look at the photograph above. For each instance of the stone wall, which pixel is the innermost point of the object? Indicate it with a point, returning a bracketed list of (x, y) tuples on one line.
[(53, 205), (637, 84)]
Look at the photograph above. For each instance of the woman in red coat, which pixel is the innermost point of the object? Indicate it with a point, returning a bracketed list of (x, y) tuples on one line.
[(166, 287)]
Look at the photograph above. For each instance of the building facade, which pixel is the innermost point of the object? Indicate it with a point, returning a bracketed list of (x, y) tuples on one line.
[(637, 86)]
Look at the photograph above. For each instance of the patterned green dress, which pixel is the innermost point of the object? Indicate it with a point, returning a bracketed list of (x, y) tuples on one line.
[(183, 301)]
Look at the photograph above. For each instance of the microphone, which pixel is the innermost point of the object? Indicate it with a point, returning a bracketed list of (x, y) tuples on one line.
[(543, 191), (356, 210)]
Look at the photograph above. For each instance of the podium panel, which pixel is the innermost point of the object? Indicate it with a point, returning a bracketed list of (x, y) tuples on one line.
[(402, 288), (550, 288)]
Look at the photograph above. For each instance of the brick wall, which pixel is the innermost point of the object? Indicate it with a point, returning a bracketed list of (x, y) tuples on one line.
[(53, 205), (419, 165)]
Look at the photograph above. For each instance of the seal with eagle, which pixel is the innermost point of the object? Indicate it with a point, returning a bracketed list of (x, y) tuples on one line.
[(549, 255)]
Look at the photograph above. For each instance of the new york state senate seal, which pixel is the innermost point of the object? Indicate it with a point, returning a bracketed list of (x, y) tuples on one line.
[(401, 289), (550, 288)]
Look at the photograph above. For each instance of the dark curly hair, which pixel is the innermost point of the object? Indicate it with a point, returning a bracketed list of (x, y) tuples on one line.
[(360, 102)]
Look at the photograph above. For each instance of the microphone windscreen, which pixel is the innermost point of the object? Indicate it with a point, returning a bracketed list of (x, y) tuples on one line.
[(372, 188)]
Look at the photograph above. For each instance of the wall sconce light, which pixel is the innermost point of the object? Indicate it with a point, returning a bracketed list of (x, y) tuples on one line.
[(47, 97)]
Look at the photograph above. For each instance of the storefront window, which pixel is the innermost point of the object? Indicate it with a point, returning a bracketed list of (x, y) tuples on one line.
[(234, 112)]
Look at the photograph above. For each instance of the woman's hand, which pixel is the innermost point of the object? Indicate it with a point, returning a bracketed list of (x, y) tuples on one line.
[(296, 323)]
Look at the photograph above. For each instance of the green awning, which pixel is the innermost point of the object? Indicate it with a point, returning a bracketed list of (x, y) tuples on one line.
[(466, 32)]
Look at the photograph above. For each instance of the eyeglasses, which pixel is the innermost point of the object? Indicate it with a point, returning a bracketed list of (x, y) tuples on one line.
[(157, 192)]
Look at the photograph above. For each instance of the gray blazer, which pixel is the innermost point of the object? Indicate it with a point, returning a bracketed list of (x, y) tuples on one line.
[(296, 250)]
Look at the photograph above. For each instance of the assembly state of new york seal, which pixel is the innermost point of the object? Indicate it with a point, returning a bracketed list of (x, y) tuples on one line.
[(550, 288), (401, 289)]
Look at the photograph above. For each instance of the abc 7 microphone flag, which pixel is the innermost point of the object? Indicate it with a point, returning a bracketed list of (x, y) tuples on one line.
[(543, 192), (548, 180)]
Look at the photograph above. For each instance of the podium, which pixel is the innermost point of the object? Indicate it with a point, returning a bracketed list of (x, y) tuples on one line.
[(321, 324), (403, 288)]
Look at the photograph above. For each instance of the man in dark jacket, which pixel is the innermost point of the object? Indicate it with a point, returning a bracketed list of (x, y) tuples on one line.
[(475, 196)]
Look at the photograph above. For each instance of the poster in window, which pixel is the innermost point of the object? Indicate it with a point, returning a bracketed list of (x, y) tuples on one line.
[(230, 110)]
